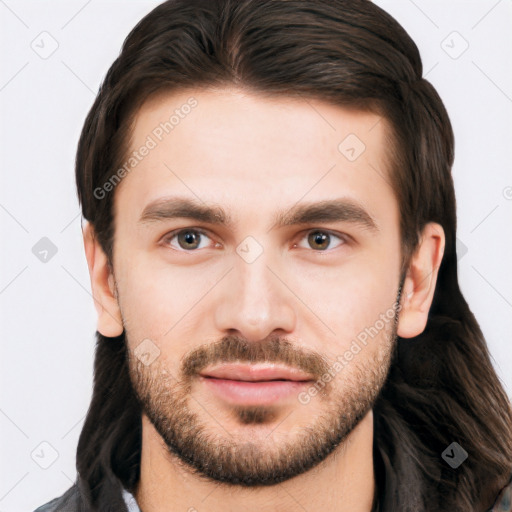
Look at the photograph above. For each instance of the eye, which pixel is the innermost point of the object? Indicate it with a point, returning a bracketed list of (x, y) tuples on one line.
[(320, 239), (188, 239)]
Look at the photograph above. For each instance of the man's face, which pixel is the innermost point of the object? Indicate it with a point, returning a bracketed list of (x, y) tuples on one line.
[(315, 297)]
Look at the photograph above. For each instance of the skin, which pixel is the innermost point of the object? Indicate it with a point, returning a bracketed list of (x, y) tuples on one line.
[(254, 155)]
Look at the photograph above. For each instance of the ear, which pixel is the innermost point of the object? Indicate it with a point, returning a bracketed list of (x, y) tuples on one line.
[(420, 281), (102, 284)]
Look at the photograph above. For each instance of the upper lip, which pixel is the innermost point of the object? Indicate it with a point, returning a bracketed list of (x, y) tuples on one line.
[(255, 372)]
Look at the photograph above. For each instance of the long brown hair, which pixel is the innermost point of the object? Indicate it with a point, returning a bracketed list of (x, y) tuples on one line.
[(442, 387)]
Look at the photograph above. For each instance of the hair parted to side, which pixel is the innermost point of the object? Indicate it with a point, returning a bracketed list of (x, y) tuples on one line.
[(442, 386)]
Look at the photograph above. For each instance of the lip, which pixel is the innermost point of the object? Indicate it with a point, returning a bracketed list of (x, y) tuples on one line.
[(240, 392), (254, 384), (256, 373)]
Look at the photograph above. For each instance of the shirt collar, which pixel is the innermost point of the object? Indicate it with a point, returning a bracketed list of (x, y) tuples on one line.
[(131, 503)]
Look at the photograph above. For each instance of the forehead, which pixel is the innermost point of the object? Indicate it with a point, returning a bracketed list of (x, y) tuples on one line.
[(235, 147)]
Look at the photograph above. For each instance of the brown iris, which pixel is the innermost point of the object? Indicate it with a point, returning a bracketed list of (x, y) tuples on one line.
[(318, 237)]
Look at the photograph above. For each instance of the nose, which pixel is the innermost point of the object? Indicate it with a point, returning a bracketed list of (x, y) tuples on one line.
[(254, 300)]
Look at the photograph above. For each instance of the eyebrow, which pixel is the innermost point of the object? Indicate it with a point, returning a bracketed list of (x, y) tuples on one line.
[(332, 210)]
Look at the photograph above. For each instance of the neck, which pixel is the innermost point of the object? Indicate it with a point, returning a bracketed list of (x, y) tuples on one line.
[(343, 482)]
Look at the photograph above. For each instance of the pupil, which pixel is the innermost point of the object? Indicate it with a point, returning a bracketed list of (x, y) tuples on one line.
[(320, 239), (189, 237)]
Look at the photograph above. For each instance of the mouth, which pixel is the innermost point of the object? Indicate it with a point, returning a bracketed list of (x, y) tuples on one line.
[(247, 384), (256, 373)]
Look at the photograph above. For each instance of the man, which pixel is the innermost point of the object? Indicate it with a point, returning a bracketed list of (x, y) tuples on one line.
[(271, 243)]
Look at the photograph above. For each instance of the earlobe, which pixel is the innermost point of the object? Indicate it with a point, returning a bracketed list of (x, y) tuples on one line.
[(102, 285), (420, 282)]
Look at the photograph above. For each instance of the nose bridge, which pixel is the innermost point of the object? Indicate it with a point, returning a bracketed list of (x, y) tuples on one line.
[(254, 301), (256, 292)]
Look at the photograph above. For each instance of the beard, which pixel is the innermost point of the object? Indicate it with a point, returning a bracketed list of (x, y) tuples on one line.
[(197, 443)]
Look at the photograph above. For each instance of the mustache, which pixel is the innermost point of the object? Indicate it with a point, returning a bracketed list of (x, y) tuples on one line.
[(232, 349)]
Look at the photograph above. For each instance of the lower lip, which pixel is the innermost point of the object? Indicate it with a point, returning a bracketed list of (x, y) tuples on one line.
[(253, 393)]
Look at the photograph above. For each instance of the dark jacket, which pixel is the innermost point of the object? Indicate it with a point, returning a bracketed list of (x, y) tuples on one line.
[(71, 501)]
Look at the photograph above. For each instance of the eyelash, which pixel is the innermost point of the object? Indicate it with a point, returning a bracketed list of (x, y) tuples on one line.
[(173, 234)]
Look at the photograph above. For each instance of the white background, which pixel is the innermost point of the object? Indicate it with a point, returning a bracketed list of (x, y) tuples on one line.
[(48, 317)]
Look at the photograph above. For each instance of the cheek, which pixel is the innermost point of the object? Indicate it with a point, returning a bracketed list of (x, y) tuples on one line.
[(155, 296), (349, 300)]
